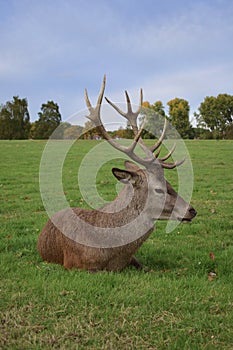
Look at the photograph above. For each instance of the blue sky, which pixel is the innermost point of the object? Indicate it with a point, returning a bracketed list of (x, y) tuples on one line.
[(53, 49)]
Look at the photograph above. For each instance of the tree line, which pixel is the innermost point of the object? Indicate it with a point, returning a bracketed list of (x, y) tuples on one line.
[(214, 120), (15, 120)]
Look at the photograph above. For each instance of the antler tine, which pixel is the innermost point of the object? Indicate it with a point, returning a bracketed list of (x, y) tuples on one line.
[(127, 150), (129, 115), (140, 102), (88, 103), (172, 165), (94, 115), (158, 143), (169, 153), (129, 106), (116, 108), (149, 150), (141, 98), (101, 94), (132, 118)]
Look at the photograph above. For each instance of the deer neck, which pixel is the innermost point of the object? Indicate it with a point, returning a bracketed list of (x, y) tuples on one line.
[(127, 206)]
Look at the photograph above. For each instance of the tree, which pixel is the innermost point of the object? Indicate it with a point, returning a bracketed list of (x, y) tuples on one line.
[(179, 117), (15, 119), (154, 119), (216, 113), (90, 131), (71, 131), (120, 133), (49, 120), (229, 131)]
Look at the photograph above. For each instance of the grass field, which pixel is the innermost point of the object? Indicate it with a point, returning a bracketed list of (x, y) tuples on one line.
[(177, 305)]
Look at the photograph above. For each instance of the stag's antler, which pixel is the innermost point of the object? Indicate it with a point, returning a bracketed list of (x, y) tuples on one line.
[(94, 116), (131, 116)]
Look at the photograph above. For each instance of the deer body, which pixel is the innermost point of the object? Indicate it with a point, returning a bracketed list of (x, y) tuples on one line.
[(146, 197), (58, 248)]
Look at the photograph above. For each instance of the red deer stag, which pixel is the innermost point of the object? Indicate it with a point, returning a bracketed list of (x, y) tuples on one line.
[(129, 219)]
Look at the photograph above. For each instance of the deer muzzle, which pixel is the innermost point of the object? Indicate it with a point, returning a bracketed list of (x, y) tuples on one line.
[(190, 214)]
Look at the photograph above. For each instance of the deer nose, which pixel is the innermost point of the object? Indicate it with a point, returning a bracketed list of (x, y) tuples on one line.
[(193, 212)]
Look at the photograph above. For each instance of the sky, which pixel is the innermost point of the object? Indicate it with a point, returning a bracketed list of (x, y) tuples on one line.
[(53, 49)]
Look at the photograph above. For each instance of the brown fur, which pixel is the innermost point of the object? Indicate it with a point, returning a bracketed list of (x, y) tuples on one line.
[(70, 254)]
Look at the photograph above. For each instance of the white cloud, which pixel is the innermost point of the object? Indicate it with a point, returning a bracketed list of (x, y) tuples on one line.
[(170, 49)]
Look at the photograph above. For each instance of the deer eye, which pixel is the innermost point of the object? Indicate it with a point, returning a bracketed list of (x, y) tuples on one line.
[(159, 190)]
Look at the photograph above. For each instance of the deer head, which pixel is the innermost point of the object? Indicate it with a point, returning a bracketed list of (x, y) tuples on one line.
[(148, 183)]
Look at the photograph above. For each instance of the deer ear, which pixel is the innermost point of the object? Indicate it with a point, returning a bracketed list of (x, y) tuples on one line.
[(131, 166), (125, 176)]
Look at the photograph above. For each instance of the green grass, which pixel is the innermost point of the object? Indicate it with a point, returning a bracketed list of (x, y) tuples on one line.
[(175, 306)]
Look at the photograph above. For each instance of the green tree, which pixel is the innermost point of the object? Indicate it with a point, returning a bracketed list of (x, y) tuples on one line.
[(90, 131), (179, 117), (49, 120), (15, 119), (71, 131), (216, 113), (120, 133), (229, 131)]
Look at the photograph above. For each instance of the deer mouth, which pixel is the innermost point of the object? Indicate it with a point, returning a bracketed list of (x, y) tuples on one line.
[(185, 221), (187, 218), (192, 213)]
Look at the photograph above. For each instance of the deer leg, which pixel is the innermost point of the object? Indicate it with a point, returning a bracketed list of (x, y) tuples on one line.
[(134, 262)]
